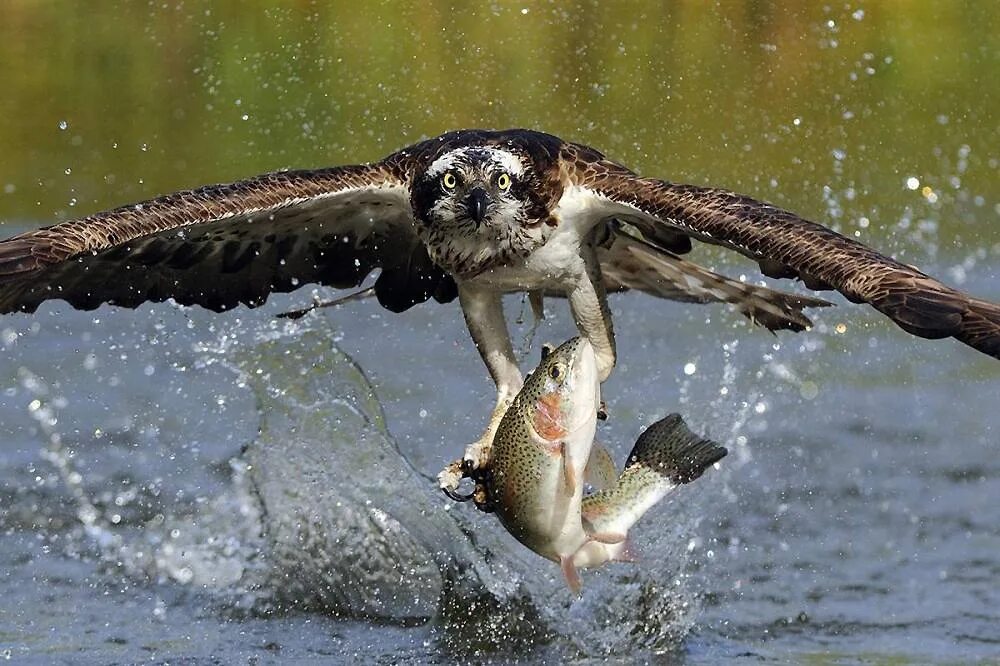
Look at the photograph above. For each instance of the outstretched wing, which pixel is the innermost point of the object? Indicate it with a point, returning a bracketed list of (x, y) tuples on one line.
[(628, 262), (784, 245), (223, 245)]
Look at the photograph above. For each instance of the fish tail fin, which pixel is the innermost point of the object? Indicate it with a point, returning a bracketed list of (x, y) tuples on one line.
[(570, 573), (669, 448), (627, 553), (666, 455)]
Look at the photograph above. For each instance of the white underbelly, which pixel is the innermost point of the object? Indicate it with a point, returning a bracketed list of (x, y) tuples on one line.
[(555, 266), (509, 279)]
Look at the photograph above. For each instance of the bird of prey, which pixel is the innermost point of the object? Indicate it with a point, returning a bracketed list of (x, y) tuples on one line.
[(472, 215)]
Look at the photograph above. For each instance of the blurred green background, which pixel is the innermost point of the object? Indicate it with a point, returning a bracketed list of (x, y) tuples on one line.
[(877, 118)]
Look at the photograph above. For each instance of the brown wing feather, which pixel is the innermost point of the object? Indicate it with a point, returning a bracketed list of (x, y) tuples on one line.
[(628, 263), (786, 246), (223, 245)]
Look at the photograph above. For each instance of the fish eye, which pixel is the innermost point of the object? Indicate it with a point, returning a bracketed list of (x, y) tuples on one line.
[(557, 371), (449, 180), (503, 182)]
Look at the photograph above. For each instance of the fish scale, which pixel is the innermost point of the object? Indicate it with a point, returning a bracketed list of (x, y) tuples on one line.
[(536, 483), (541, 453)]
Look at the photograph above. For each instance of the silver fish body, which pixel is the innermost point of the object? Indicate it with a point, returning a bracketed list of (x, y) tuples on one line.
[(541, 450), (544, 451)]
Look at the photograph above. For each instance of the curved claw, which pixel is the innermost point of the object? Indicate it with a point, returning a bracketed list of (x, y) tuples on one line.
[(453, 474), (456, 496)]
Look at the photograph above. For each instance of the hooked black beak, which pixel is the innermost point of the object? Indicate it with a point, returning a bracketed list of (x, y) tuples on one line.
[(476, 204)]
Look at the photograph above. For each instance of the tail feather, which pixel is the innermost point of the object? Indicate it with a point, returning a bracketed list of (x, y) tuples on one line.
[(629, 263)]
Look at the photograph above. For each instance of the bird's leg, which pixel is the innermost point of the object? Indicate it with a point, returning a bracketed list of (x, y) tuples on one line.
[(588, 301), (484, 316)]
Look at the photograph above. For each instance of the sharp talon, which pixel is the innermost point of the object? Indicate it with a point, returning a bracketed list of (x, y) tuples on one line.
[(482, 499), (453, 495)]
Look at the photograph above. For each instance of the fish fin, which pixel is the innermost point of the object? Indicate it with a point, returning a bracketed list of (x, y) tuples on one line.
[(669, 448), (628, 553), (570, 573), (666, 455), (608, 537), (600, 471), (568, 470)]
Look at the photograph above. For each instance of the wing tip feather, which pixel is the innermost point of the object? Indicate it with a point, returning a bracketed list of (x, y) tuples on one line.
[(17, 258)]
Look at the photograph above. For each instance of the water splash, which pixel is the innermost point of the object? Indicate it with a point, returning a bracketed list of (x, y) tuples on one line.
[(324, 513)]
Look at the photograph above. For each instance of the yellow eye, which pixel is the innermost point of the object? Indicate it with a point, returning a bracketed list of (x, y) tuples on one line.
[(449, 180), (557, 371), (503, 182)]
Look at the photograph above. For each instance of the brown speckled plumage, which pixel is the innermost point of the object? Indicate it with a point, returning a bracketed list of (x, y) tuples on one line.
[(224, 245), (785, 245)]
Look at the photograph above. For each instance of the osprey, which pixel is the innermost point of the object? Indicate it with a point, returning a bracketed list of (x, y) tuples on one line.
[(472, 214)]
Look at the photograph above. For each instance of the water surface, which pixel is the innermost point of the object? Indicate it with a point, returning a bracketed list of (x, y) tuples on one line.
[(855, 519)]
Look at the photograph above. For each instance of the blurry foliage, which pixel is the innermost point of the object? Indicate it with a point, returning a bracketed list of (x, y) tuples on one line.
[(775, 99)]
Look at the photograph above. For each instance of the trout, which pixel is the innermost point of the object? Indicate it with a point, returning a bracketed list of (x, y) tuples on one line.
[(544, 452)]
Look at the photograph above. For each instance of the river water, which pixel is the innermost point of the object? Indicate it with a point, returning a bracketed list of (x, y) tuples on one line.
[(180, 486), (183, 485)]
